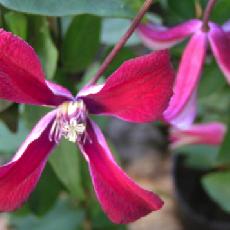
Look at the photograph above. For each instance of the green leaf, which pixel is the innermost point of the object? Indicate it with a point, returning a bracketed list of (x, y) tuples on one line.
[(81, 42), (224, 153), (44, 45), (46, 193), (11, 141), (114, 28), (4, 105), (65, 161), (99, 220), (184, 9), (200, 156), (212, 80), (124, 54), (17, 23), (89, 73), (217, 185), (32, 114), (220, 13), (63, 216), (10, 117), (111, 8)]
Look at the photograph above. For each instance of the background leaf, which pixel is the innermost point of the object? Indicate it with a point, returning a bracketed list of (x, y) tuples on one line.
[(217, 185), (221, 11), (63, 216), (45, 193), (9, 142), (113, 29), (42, 42), (17, 23), (65, 162), (81, 42), (224, 153), (111, 8), (4, 105)]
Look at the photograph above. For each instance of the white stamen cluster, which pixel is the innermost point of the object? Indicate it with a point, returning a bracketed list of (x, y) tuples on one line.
[(72, 130), (70, 122)]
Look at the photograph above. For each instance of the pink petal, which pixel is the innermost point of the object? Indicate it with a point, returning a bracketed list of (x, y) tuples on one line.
[(188, 76), (220, 44), (121, 198), (59, 90), (186, 117), (19, 177), (226, 28), (208, 133), (138, 91), (159, 37), (21, 76)]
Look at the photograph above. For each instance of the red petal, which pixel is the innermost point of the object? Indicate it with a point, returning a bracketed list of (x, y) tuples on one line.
[(120, 197), (139, 91), (21, 76), (19, 177), (158, 37), (188, 75), (220, 44)]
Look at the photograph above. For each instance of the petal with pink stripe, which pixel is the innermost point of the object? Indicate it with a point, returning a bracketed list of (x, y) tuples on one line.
[(120, 197), (187, 78), (138, 91), (158, 37), (220, 44), (19, 177)]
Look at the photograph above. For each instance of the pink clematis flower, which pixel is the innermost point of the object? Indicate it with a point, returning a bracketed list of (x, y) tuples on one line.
[(207, 133), (139, 91), (182, 108)]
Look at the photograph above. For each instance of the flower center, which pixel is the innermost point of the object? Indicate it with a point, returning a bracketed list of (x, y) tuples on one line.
[(70, 122)]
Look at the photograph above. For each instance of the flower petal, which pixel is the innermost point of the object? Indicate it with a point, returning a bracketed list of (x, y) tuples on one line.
[(220, 44), (186, 117), (158, 37), (226, 28), (21, 77), (207, 133), (19, 177), (121, 199), (188, 76), (59, 90), (138, 91)]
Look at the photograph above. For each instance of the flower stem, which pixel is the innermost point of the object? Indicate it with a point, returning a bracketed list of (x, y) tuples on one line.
[(122, 41), (207, 13)]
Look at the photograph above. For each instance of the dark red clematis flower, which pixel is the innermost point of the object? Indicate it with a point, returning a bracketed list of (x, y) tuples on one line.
[(139, 91)]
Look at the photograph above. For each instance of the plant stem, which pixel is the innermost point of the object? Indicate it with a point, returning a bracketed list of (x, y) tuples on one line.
[(207, 13), (122, 41)]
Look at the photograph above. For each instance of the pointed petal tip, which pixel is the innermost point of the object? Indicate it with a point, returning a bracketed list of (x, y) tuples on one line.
[(132, 217), (20, 67), (120, 197), (138, 91), (158, 37)]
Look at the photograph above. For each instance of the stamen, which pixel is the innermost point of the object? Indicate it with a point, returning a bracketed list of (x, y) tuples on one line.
[(70, 122)]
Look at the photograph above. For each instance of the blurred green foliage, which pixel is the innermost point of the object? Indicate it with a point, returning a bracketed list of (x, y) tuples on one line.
[(71, 49)]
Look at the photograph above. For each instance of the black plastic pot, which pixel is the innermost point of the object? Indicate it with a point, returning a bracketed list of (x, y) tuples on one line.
[(196, 209)]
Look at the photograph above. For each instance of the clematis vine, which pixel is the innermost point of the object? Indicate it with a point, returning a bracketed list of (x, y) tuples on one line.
[(182, 108), (138, 91), (211, 133)]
